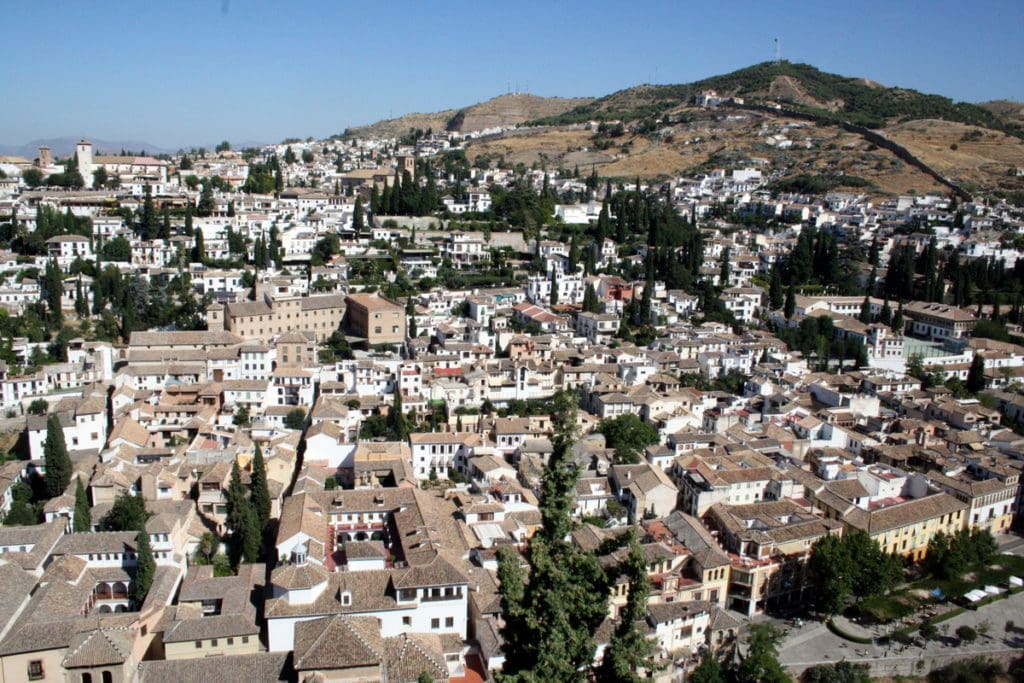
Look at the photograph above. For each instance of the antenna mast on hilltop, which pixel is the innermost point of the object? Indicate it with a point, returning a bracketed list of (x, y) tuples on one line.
[(778, 52)]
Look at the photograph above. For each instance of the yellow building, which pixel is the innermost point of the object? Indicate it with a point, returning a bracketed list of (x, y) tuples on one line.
[(991, 503), (905, 527)]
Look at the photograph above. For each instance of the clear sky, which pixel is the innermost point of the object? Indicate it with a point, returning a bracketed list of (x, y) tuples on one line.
[(192, 72)]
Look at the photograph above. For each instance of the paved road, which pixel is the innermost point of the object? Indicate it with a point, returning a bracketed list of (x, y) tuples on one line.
[(813, 643), (1011, 543)]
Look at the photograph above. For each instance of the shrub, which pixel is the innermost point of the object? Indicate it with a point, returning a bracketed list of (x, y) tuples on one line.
[(966, 634)]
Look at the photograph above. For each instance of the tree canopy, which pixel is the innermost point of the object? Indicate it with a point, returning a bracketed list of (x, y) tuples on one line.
[(628, 435)]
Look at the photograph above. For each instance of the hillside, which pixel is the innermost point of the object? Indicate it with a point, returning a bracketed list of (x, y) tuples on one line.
[(698, 140), (1006, 109), (799, 86), (502, 111)]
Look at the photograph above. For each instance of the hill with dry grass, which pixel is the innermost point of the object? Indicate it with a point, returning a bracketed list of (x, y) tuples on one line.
[(694, 140), (499, 112)]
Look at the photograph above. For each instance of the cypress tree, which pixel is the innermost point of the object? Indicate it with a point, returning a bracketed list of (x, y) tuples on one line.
[(259, 493), (776, 294), (976, 375), (235, 497), (550, 620), (248, 536), (188, 219), (199, 250), (897, 320), (554, 289), (790, 306), (723, 272), (357, 216), (145, 567), (55, 458), (83, 518), (865, 310), (591, 304)]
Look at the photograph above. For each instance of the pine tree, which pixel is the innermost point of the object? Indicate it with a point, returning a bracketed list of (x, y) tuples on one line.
[(83, 518), (145, 568), (259, 494), (55, 458), (629, 650)]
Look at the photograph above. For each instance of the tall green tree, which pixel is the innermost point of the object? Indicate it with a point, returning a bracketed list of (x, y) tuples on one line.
[(358, 220), (259, 493), (53, 286), (551, 619), (248, 536), (630, 651), (628, 435), (724, 271), (761, 665), (128, 513), (976, 375), (789, 308), (236, 497), (83, 517), (397, 424), (776, 292), (145, 567), (708, 671), (199, 248), (56, 459), (591, 304)]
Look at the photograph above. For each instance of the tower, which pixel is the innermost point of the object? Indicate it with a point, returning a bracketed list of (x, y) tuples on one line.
[(83, 155), (45, 157)]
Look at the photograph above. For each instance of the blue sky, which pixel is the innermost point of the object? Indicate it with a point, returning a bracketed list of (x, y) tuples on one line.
[(192, 72)]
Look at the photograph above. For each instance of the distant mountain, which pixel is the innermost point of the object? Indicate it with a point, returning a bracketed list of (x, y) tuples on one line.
[(1007, 109), (65, 147), (502, 111), (798, 86)]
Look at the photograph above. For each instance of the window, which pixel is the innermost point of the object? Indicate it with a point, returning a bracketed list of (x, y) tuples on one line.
[(231, 641), (449, 622), (213, 643), (199, 644), (406, 621), (435, 623), (245, 639), (35, 669), (107, 677)]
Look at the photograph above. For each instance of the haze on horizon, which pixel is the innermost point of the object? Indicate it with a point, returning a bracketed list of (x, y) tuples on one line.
[(199, 71)]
